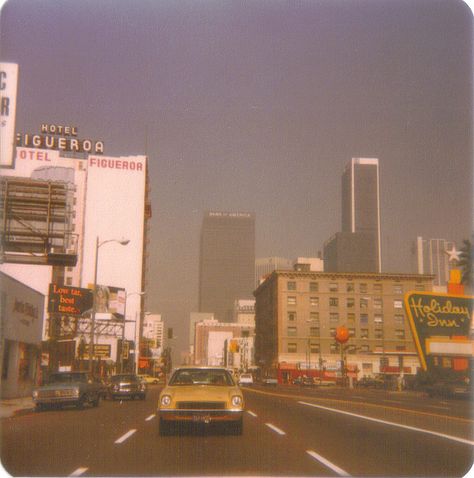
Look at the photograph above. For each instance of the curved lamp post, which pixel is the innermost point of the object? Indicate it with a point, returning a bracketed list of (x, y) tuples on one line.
[(122, 242)]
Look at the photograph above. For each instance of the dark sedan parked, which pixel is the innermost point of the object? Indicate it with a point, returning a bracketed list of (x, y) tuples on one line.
[(126, 385)]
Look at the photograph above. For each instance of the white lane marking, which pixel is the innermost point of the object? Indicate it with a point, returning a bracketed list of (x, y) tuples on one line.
[(151, 417), (439, 408), (393, 424), (124, 437), (251, 413), (327, 463), (78, 472), (392, 401), (275, 429)]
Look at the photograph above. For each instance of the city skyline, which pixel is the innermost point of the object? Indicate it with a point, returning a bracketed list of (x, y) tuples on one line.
[(259, 108)]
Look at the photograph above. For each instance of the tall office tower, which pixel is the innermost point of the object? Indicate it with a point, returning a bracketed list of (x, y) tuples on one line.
[(266, 265), (361, 202), (227, 262), (431, 258)]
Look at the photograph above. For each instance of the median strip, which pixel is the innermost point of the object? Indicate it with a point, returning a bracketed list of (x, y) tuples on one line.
[(275, 429), (327, 463), (79, 472), (124, 437), (393, 424)]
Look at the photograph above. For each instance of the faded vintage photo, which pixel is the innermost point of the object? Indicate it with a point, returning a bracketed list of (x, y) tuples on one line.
[(236, 238)]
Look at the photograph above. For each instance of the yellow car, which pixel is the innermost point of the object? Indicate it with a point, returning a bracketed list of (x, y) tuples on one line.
[(201, 395), (148, 379)]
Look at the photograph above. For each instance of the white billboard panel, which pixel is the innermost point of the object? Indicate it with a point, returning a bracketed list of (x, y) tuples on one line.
[(114, 210), (8, 94)]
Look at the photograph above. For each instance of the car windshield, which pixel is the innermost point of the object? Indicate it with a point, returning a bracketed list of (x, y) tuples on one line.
[(201, 377), (124, 378), (68, 377)]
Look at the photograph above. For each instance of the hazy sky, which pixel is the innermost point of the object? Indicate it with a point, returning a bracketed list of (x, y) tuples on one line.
[(257, 106)]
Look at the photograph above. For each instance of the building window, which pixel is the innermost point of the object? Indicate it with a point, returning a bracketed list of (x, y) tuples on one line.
[(399, 319), (352, 332), (292, 349), (350, 302), (364, 333), (398, 304), (364, 319), (291, 331), (291, 300), (333, 301), (378, 319), (6, 357), (378, 288), (364, 349), (351, 317), (350, 287), (313, 287), (291, 316), (314, 348), (400, 334), (314, 317), (334, 349), (378, 303), (69, 269), (351, 349), (291, 285), (314, 331), (332, 331), (397, 289), (378, 333), (314, 301), (364, 303), (69, 281), (334, 317), (419, 287), (333, 287), (363, 288)]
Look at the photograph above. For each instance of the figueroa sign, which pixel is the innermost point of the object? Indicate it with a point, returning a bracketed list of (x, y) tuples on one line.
[(440, 324)]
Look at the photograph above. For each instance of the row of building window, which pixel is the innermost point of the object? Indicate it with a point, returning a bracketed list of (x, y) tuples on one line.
[(314, 317), (334, 349), (363, 332), (350, 302), (363, 288)]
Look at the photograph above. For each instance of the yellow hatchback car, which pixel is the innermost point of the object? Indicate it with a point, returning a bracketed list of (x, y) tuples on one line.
[(201, 395)]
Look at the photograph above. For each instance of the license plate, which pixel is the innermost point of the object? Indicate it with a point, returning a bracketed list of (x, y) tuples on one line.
[(201, 418)]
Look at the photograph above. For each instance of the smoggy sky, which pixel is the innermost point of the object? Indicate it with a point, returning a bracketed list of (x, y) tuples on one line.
[(257, 106)]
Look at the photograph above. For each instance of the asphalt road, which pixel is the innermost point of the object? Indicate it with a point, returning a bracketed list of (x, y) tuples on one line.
[(287, 432)]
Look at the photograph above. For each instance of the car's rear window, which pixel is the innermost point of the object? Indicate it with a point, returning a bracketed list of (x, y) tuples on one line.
[(201, 377), (124, 378)]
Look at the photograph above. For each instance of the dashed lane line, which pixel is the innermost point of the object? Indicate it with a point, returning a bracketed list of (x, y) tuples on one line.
[(275, 429), (126, 436), (251, 413), (327, 463), (393, 424), (151, 417), (79, 471)]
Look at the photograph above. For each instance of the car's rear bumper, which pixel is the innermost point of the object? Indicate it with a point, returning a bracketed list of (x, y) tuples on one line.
[(205, 416), (56, 401)]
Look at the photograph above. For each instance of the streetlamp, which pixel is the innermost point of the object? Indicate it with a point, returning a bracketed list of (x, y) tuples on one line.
[(122, 242), (127, 295)]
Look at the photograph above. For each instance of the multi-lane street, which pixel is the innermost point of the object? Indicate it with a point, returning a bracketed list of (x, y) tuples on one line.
[(288, 431)]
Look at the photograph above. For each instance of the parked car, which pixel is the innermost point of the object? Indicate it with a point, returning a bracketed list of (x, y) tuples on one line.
[(68, 388), (270, 381), (450, 389), (126, 385), (148, 379), (245, 379), (201, 395), (371, 382), (304, 381)]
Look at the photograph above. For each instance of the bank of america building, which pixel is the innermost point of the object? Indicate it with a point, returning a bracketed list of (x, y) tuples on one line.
[(227, 262)]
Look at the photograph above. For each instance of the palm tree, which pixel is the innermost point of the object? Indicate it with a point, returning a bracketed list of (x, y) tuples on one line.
[(465, 263)]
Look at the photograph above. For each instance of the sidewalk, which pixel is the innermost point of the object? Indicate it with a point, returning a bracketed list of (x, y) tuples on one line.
[(11, 406)]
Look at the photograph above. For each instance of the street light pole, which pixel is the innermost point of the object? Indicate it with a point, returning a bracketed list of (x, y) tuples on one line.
[(98, 244), (127, 295)]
